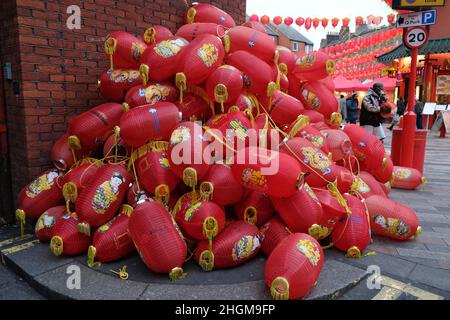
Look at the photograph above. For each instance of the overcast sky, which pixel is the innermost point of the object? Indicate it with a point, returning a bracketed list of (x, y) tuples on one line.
[(320, 9)]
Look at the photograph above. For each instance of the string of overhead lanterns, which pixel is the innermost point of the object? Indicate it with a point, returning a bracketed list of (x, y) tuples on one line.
[(309, 23)]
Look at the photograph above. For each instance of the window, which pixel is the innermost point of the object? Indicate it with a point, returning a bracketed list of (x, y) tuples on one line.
[(308, 48), (294, 46)]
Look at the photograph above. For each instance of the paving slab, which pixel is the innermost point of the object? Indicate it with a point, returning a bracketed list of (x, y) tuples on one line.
[(434, 277)]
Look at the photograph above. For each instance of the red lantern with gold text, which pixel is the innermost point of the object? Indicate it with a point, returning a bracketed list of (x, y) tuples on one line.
[(153, 169), (366, 146), (272, 233), (156, 34), (224, 85), (101, 199), (267, 171), (391, 219), (254, 208), (123, 50), (302, 212), (313, 66), (149, 123), (293, 267), (63, 155), (158, 239), (186, 161), (205, 12), (353, 234), (225, 189), (257, 74), (407, 178), (366, 186), (236, 244), (162, 60), (47, 221), (200, 58), (316, 97), (301, 128), (112, 241), (94, 126), (66, 239), (151, 93), (41, 194), (113, 85)]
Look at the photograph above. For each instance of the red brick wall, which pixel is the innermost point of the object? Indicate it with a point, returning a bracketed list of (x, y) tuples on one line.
[(57, 68)]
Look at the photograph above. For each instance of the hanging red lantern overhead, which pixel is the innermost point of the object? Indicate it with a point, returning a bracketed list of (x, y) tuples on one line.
[(254, 18), (335, 22), (359, 20), (288, 21), (308, 23), (316, 22), (345, 22), (277, 20), (300, 21), (391, 18), (324, 22), (265, 19)]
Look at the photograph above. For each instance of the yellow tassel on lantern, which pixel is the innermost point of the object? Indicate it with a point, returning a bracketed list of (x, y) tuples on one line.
[(251, 215), (181, 83), (177, 274), (57, 245), (110, 47), (206, 260), (279, 289), (92, 251), (210, 227), (221, 95), (20, 217), (150, 36), (143, 71)]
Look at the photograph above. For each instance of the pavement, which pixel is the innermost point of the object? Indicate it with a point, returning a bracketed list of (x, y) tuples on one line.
[(409, 270)]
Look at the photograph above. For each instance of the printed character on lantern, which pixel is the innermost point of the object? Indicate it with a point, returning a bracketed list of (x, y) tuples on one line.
[(306, 61), (154, 93), (180, 135), (252, 178), (107, 193), (45, 221), (402, 173), (119, 76), (209, 54), (190, 212), (170, 48), (106, 226), (312, 99), (239, 129), (245, 247), (137, 49), (392, 225), (43, 183), (309, 250), (316, 160)]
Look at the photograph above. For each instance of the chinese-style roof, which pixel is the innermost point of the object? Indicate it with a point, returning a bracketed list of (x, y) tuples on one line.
[(432, 47)]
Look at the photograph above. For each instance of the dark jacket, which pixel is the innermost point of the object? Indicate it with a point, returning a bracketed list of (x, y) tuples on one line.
[(418, 108), (352, 109), (400, 107), (370, 109)]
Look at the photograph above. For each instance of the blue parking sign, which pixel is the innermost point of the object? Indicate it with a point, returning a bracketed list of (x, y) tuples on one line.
[(429, 17)]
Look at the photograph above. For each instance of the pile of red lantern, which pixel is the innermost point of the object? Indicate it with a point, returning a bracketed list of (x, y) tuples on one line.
[(125, 179)]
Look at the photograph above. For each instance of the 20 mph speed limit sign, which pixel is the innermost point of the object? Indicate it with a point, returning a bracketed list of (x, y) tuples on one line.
[(415, 37)]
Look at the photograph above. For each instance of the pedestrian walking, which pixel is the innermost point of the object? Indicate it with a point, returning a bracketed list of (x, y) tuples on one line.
[(343, 107), (371, 119), (418, 109), (398, 114), (352, 108)]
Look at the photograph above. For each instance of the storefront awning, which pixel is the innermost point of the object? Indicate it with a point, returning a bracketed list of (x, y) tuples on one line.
[(432, 47)]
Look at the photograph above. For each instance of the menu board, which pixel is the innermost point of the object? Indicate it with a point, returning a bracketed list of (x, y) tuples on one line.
[(443, 85)]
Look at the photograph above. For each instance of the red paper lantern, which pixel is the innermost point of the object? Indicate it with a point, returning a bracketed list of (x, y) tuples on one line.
[(186, 161), (345, 22), (236, 244), (392, 219), (200, 58), (277, 20), (114, 84), (324, 22), (288, 21), (225, 189), (286, 59), (339, 144), (333, 211), (41, 194), (254, 208), (66, 239), (112, 241), (299, 21), (272, 233), (359, 20), (255, 25), (293, 267), (149, 123), (314, 116), (195, 106), (257, 43), (301, 128), (384, 173), (62, 156), (353, 234), (123, 50), (284, 109), (151, 94), (158, 239), (407, 178), (316, 22), (47, 221), (316, 97), (194, 30), (225, 84), (162, 60), (308, 23), (254, 18), (253, 168), (205, 12), (93, 127), (101, 199), (156, 34), (335, 22), (135, 194), (372, 184), (265, 19), (257, 74), (114, 143), (313, 66), (79, 177)]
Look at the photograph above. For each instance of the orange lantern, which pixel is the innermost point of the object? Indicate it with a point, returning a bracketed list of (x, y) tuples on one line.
[(259, 44), (157, 238), (123, 50), (272, 233), (236, 244), (391, 219), (101, 199), (47, 221), (205, 12), (255, 208), (67, 238), (149, 123), (112, 241), (293, 267)]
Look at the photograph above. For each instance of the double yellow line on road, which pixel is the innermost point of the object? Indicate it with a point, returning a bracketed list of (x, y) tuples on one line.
[(393, 289)]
